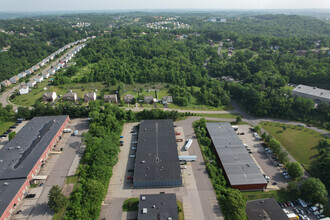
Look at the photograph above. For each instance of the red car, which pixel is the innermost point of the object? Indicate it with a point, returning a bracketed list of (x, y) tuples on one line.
[(129, 177)]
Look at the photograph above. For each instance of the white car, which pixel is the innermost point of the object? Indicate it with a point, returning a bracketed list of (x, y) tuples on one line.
[(133, 148), (134, 142)]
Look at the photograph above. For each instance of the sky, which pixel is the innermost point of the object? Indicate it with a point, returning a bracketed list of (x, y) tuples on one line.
[(78, 5)]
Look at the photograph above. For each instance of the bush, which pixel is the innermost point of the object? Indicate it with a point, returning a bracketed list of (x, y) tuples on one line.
[(56, 200)]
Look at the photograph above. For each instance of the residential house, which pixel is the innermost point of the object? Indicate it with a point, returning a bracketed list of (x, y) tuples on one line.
[(148, 99), (14, 79), (111, 98), (24, 90), (21, 75), (57, 68), (45, 75), (61, 64), (128, 98), (52, 56), (49, 96), (70, 96), (6, 83), (41, 63), (167, 99), (36, 67), (91, 96), (39, 79), (51, 71), (31, 84), (29, 71)]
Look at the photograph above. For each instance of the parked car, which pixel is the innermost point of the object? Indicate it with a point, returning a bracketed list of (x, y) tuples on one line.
[(18, 122), (41, 184), (3, 136), (274, 183), (6, 132), (133, 148), (280, 204), (30, 196), (121, 142), (132, 156), (121, 136), (134, 134), (301, 125), (280, 165), (134, 142), (241, 133), (13, 126), (130, 170), (129, 177), (18, 212)]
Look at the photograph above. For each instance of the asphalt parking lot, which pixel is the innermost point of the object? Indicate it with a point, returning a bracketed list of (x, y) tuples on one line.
[(301, 212), (194, 196), (59, 165), (19, 126), (267, 165)]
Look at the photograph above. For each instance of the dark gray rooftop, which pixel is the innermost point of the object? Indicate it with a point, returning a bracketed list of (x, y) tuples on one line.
[(265, 209), (239, 166), (162, 205), (21, 153), (156, 155), (8, 190)]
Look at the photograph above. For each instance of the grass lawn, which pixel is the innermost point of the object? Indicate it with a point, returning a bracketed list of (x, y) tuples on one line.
[(180, 209), (277, 194), (60, 214), (286, 87), (301, 142), (230, 115), (5, 126), (131, 204), (36, 93)]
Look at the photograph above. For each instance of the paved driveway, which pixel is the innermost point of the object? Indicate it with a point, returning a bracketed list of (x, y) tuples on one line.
[(57, 168)]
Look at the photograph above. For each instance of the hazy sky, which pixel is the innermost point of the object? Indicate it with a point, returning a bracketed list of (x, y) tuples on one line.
[(60, 5)]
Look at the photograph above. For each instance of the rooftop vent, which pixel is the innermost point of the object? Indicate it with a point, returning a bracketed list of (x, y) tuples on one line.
[(18, 147), (169, 218), (144, 211), (143, 198), (153, 206), (5, 183), (143, 161)]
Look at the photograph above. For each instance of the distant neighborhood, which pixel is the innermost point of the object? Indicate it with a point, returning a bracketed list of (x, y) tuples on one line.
[(45, 74)]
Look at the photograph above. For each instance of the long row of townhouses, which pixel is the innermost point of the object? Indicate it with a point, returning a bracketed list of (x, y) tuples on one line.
[(46, 74)]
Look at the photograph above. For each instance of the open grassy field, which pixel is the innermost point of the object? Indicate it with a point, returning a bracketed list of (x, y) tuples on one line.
[(144, 89), (301, 142)]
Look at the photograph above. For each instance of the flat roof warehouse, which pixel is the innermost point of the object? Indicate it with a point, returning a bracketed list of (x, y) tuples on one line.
[(20, 157), (240, 169), (157, 162)]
